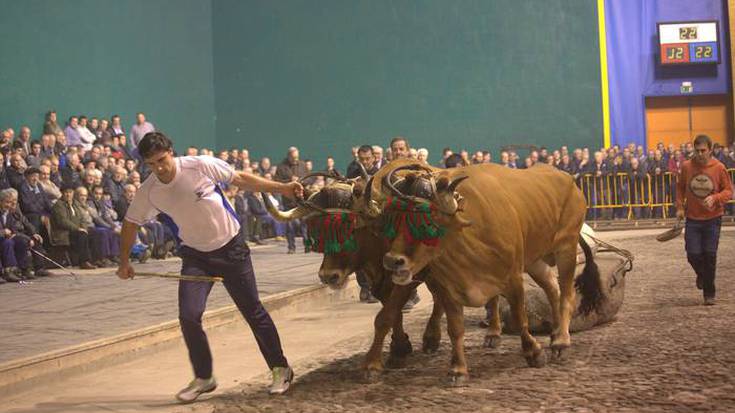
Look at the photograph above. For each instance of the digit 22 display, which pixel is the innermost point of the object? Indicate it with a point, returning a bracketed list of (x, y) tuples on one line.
[(689, 42)]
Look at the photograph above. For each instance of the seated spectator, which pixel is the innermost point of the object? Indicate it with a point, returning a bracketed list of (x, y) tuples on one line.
[(104, 241), (24, 140), (51, 127), (35, 156), (103, 133), (53, 193), (259, 217), (34, 202), (24, 236), (86, 136), (116, 128), (73, 138), (14, 174), (71, 173), (115, 186), (3, 174), (48, 143), (67, 229)]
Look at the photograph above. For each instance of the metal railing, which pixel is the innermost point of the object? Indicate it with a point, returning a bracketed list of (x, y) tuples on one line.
[(632, 196)]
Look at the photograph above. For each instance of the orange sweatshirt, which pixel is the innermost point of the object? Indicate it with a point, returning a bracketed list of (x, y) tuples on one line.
[(697, 182)]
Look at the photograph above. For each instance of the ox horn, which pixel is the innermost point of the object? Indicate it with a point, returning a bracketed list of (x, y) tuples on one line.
[(284, 216), (331, 175)]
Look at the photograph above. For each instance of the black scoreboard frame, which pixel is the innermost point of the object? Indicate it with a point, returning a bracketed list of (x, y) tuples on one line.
[(717, 35)]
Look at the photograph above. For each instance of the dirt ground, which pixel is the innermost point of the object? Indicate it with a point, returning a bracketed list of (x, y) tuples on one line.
[(666, 352)]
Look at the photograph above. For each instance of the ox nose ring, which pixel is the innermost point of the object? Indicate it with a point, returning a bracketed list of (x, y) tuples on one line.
[(398, 262)]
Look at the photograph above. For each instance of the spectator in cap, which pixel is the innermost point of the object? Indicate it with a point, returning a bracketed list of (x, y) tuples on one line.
[(34, 202)]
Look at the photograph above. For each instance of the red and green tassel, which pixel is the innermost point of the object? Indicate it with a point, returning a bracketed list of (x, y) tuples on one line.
[(414, 219), (332, 233)]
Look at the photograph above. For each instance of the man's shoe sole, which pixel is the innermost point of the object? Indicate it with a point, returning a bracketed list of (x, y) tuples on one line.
[(290, 379), (195, 399)]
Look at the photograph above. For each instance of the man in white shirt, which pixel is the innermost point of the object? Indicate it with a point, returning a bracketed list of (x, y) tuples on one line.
[(187, 190)]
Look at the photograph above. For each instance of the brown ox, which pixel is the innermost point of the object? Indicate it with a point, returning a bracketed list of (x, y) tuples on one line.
[(346, 196), (498, 223)]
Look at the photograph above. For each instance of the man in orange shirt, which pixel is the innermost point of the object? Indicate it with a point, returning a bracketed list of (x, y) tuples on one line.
[(703, 189)]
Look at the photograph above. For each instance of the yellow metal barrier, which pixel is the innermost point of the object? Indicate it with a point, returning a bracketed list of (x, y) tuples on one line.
[(629, 196)]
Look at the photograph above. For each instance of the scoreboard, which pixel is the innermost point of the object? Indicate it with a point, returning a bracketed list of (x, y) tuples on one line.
[(689, 42)]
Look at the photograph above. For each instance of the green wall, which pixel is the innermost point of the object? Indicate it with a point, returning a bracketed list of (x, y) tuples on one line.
[(101, 57), (329, 74)]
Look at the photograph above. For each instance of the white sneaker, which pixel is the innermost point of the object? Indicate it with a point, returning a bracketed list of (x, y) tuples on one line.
[(282, 377), (195, 388)]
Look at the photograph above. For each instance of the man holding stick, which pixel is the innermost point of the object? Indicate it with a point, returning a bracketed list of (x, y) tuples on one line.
[(187, 190), (703, 189)]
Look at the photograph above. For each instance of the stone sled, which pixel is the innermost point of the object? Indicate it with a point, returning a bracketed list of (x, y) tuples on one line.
[(613, 269)]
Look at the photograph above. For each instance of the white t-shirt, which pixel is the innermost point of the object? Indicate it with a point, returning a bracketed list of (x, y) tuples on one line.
[(205, 218)]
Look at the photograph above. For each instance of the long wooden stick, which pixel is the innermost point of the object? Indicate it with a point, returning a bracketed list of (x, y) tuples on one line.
[(179, 276)]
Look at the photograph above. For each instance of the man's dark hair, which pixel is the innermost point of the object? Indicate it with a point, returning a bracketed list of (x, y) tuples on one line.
[(453, 161), (703, 139), (94, 188), (445, 150), (72, 117), (35, 142), (399, 139), (82, 117), (154, 142), (365, 148)]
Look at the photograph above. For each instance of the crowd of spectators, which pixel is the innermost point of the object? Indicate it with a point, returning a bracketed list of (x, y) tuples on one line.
[(64, 192)]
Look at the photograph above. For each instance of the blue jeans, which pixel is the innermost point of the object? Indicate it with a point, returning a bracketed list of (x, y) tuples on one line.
[(701, 241), (291, 228), (232, 262)]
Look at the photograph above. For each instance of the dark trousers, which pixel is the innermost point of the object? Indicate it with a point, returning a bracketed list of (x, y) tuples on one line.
[(105, 243), (232, 262), (291, 228), (79, 241), (15, 252), (701, 241)]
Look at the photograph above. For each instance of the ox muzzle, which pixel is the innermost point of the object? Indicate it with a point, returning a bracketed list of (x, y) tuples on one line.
[(398, 264)]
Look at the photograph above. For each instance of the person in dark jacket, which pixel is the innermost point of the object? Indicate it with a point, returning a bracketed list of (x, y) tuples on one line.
[(116, 185), (67, 229), (24, 234), (365, 161), (292, 169), (14, 173), (657, 168), (71, 172), (34, 202)]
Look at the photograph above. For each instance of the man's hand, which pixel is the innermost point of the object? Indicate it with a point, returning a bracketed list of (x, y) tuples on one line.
[(293, 190), (125, 270), (7, 233), (680, 215), (38, 238), (82, 229), (709, 202)]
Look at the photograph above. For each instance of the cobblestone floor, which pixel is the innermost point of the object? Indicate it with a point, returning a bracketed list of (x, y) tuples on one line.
[(58, 311), (665, 353)]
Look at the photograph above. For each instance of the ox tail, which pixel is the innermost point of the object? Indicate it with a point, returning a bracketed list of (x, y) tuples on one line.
[(589, 283)]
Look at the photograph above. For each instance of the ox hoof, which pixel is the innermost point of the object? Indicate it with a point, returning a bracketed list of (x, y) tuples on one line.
[(537, 360), (396, 362), (372, 376), (492, 341), (559, 353), (430, 346), (457, 379)]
